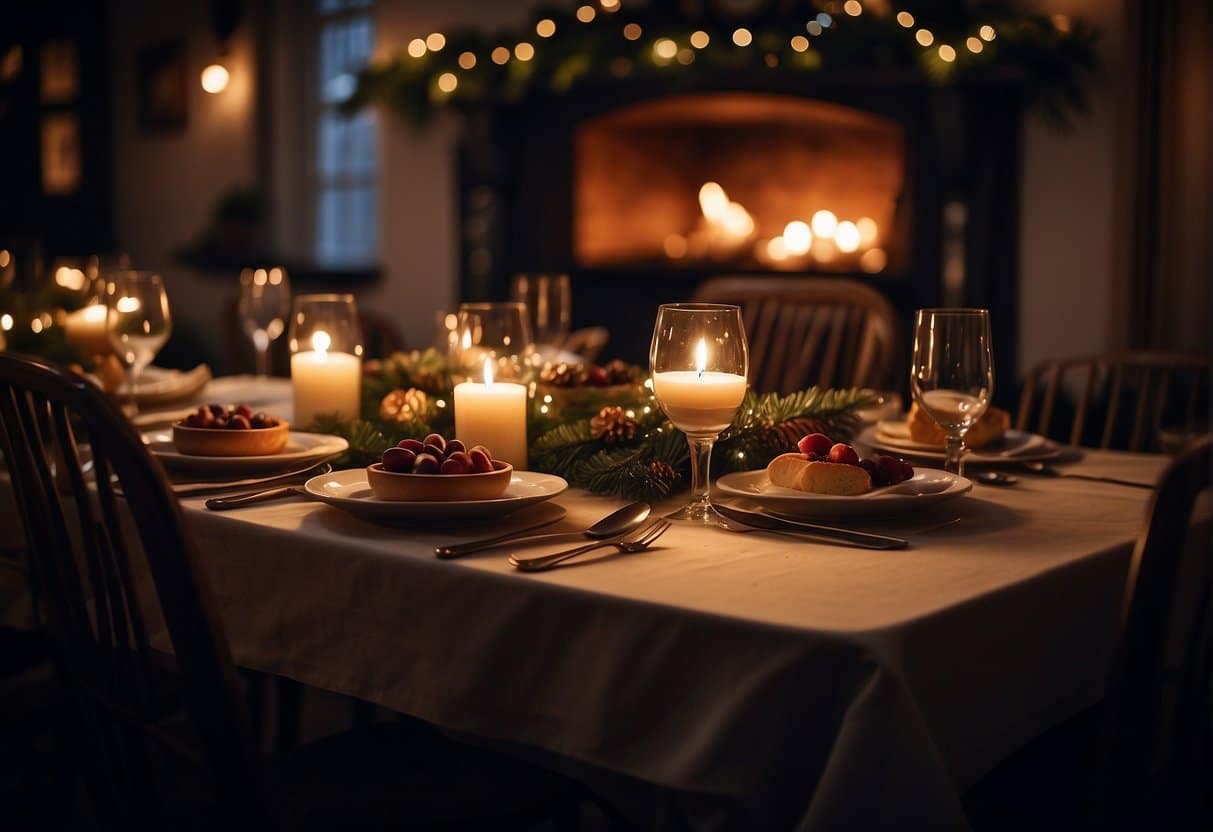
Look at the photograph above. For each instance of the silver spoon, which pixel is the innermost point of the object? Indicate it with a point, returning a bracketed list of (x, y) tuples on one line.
[(995, 478), (613, 525)]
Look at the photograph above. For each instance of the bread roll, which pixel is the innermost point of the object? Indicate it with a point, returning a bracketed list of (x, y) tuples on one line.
[(796, 471), (989, 428)]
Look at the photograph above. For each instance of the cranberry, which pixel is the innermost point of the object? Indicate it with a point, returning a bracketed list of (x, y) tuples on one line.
[(238, 422), (844, 454), (437, 441), (890, 469), (244, 410), (426, 464), (454, 447), (482, 463), (398, 460), (219, 423), (217, 410), (815, 443), (597, 377), (413, 445), (457, 463), (907, 471)]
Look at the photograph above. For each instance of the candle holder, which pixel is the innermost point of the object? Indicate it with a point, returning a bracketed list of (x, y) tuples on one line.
[(699, 360), (499, 332), (326, 358)]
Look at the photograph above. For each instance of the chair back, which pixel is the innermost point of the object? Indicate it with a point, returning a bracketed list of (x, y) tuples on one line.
[(1139, 743), (94, 594), (831, 332), (1136, 393)]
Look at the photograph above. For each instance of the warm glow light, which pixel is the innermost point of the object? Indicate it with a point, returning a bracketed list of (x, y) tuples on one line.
[(488, 371), (797, 237), (586, 13), (275, 276), (321, 341), (777, 249), (36, 325), (416, 47), (609, 5), (127, 304), (853, 8), (675, 246), (742, 37), (824, 19), (1060, 22), (434, 41), (846, 236), (873, 260), (737, 220), (95, 312), (947, 53), (986, 33), (632, 31), (813, 28), (260, 277), (713, 201), (447, 82), (665, 48), (467, 60), (68, 278), (823, 223), (700, 39), (975, 45), (924, 37), (215, 78), (524, 51), (545, 28), (6, 322), (686, 56), (5, 258), (905, 19), (800, 43), (867, 230), (701, 356), (500, 55)]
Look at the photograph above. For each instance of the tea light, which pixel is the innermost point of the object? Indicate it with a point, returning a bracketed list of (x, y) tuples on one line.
[(325, 382), (493, 414), (698, 401), (85, 330)]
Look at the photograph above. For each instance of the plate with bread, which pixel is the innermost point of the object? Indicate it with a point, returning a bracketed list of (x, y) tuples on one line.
[(829, 479), (990, 441)]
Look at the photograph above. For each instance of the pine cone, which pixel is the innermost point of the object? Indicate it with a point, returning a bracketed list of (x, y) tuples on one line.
[(662, 474), (612, 424), (563, 375), (404, 406), (618, 372)]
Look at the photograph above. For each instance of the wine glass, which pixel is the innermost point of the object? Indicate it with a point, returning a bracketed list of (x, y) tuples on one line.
[(699, 360), (263, 306), (137, 321), (499, 331), (549, 306), (952, 377)]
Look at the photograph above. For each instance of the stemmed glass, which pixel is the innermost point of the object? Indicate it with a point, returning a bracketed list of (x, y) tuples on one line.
[(699, 360), (952, 377), (137, 321), (499, 331), (549, 305), (263, 306)]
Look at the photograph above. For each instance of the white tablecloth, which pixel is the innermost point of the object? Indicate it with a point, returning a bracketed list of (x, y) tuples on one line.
[(786, 683)]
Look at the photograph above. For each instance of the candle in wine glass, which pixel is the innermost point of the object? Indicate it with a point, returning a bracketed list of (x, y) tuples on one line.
[(325, 382), (698, 401), (85, 330), (493, 414)]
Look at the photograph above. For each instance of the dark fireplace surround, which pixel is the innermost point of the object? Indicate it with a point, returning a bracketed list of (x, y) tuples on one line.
[(953, 240)]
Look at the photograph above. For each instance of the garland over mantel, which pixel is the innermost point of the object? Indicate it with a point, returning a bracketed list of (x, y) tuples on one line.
[(560, 49)]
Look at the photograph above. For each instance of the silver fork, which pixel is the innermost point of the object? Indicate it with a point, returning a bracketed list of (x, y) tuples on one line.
[(636, 542)]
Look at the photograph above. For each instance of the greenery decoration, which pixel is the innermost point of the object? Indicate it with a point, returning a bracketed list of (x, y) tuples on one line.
[(561, 49), (625, 445)]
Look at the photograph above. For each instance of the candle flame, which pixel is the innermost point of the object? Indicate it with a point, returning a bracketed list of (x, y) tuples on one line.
[(321, 341), (488, 371), (701, 357)]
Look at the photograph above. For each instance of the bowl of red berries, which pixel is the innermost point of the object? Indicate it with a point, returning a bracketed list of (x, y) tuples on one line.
[(438, 470), (215, 430)]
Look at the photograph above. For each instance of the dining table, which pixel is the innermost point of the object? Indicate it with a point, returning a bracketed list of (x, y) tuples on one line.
[(719, 679)]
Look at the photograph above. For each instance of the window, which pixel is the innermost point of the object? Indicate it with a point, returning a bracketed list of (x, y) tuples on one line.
[(346, 214)]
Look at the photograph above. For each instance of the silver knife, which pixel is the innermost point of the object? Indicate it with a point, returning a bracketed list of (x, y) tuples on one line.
[(254, 497), (193, 489), (815, 531)]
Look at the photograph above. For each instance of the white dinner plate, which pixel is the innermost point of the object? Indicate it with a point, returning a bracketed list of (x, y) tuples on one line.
[(349, 490), (927, 487), (158, 386), (302, 449), (1015, 446)]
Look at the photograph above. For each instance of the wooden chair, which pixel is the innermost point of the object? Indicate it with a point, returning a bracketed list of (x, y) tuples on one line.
[(812, 330), (98, 580), (587, 343), (1152, 388)]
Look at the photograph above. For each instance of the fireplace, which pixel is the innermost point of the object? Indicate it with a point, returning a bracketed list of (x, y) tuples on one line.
[(641, 192)]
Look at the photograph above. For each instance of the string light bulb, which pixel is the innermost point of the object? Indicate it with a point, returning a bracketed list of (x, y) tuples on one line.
[(434, 41), (545, 28), (700, 39), (742, 37), (524, 51), (947, 53), (924, 37), (975, 45), (800, 43), (447, 82), (632, 31), (500, 55), (586, 13), (853, 7), (416, 48), (665, 49), (986, 33), (467, 60), (905, 19), (214, 78)]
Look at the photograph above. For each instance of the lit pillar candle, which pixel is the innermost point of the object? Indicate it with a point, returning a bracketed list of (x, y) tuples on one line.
[(85, 330), (696, 401), (325, 382), (493, 414)]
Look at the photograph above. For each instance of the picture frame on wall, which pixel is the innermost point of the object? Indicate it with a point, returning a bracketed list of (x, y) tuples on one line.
[(160, 88)]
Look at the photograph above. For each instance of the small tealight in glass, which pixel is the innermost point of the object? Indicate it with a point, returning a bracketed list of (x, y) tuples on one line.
[(326, 358)]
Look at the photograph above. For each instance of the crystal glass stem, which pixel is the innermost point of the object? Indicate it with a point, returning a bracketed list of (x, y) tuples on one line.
[(700, 506), (954, 448)]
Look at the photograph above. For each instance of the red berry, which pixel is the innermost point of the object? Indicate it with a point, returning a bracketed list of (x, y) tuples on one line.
[(457, 463), (907, 471), (844, 454), (815, 443), (890, 469), (598, 377), (426, 464), (220, 423), (239, 422), (436, 440), (244, 410), (481, 462), (413, 445), (454, 447), (483, 450), (217, 410), (398, 460)]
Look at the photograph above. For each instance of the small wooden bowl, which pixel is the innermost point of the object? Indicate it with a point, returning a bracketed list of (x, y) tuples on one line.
[(390, 486), (224, 442)]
